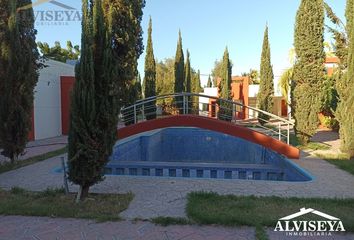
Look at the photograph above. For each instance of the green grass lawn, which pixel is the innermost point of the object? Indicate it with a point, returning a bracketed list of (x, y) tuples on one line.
[(342, 161), (54, 203), (211, 208), (310, 146), (5, 167), (344, 164)]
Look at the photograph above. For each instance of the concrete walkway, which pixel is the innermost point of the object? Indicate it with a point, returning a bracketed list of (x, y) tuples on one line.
[(329, 138), (162, 197), (42, 228), (156, 196), (39, 147)]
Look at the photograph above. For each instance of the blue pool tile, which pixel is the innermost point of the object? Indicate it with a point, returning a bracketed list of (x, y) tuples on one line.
[(186, 173)]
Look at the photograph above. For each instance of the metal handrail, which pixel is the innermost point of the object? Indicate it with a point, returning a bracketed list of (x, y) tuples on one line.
[(142, 107)]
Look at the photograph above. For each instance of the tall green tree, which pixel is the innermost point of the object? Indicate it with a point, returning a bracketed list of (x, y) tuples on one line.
[(89, 137), (179, 73), (309, 68), (225, 108), (165, 75), (188, 81), (188, 74), (94, 112), (196, 85), (345, 87), (138, 87), (127, 43), (216, 73), (209, 83), (150, 77), (196, 88), (266, 86), (18, 75)]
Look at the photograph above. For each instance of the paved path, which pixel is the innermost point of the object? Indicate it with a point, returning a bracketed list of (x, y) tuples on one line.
[(156, 196), (40, 147), (44, 228), (328, 137), (164, 197), (23, 228)]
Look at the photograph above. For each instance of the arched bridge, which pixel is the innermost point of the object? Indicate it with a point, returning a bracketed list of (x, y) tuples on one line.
[(212, 113)]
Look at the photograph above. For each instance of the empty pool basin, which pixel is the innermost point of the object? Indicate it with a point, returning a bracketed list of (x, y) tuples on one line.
[(199, 153)]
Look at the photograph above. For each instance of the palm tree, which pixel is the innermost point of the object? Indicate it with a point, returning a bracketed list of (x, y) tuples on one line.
[(285, 83)]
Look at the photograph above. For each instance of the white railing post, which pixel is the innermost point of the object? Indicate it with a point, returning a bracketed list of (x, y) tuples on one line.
[(143, 109), (234, 112), (184, 103), (135, 114), (288, 140), (237, 108), (187, 108)]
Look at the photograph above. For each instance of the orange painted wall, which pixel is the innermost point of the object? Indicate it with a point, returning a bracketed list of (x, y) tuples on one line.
[(66, 85), (239, 88)]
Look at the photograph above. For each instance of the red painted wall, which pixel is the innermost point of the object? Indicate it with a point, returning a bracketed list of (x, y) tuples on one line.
[(66, 85), (213, 125), (239, 88), (31, 136)]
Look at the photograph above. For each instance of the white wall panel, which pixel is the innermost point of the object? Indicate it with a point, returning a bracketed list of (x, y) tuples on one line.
[(47, 102)]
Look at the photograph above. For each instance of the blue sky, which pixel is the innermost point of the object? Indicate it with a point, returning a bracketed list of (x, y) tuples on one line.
[(207, 27)]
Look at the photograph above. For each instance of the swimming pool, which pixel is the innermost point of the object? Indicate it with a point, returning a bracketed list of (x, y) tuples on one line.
[(199, 153)]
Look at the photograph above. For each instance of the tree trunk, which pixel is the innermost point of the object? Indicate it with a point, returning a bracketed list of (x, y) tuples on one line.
[(85, 191), (14, 158), (82, 194)]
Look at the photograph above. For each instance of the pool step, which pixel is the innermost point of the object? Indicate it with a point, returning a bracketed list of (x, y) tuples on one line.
[(192, 172)]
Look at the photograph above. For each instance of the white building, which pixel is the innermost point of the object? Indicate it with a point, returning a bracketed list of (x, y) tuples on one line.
[(47, 112)]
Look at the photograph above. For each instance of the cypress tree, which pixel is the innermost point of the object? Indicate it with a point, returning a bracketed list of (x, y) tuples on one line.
[(196, 88), (138, 87), (198, 85), (188, 74), (94, 112), (345, 87), (134, 90), (225, 108), (165, 75), (150, 77), (179, 73), (188, 81), (309, 68), (127, 44), (18, 75), (209, 83), (266, 87)]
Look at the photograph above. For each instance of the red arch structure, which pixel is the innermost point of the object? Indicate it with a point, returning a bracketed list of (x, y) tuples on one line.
[(213, 125)]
